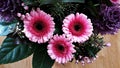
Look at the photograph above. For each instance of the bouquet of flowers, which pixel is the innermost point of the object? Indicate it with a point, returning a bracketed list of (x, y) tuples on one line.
[(56, 30)]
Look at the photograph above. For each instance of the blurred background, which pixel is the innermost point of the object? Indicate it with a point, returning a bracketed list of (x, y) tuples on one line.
[(108, 57)]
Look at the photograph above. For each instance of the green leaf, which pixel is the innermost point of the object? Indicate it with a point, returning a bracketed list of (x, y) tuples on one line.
[(42, 2), (7, 28), (41, 58), (92, 9), (29, 2), (12, 51), (80, 1)]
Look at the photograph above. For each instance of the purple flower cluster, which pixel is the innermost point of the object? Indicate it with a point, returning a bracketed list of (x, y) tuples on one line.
[(109, 22), (9, 8)]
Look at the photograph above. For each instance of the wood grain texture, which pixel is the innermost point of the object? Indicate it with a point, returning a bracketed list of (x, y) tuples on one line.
[(108, 57)]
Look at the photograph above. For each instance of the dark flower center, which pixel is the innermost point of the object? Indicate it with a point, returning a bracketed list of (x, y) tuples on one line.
[(61, 48), (38, 26), (77, 27)]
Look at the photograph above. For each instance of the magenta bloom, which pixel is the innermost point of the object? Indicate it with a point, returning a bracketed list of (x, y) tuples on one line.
[(38, 26), (60, 49), (115, 1), (77, 27)]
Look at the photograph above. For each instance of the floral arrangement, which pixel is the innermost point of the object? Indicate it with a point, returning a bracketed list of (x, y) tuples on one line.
[(56, 30)]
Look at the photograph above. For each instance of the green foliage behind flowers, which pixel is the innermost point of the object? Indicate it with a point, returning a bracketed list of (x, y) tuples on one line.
[(42, 2), (90, 48)]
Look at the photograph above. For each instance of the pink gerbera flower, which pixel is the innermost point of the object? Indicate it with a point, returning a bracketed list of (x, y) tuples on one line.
[(115, 1), (60, 49), (38, 26), (77, 27)]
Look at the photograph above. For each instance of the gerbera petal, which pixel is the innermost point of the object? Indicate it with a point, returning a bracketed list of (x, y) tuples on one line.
[(33, 13), (115, 1), (70, 17), (28, 17)]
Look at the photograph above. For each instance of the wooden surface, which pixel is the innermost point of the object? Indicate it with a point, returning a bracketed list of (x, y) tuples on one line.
[(108, 57)]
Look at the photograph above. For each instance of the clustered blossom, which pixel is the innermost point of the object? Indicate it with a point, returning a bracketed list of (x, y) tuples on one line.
[(78, 28), (9, 8), (61, 49), (38, 26), (110, 20), (86, 60)]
